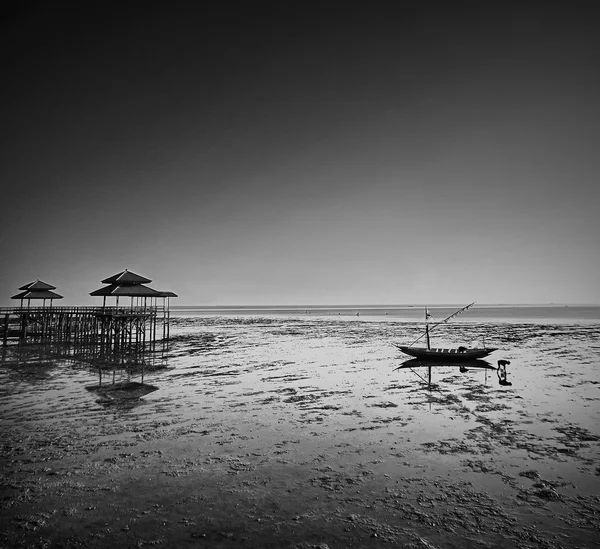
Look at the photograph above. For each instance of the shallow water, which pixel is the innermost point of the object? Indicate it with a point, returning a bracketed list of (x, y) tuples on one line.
[(318, 400)]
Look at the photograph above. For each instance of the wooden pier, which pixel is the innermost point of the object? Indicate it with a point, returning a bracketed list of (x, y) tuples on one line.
[(130, 338), (109, 327)]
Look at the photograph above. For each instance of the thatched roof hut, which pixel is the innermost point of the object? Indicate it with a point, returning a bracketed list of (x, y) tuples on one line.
[(128, 284), (37, 290)]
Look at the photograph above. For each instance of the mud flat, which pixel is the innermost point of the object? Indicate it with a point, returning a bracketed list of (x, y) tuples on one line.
[(287, 432)]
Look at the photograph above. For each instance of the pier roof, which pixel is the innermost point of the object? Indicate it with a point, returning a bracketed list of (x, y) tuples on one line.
[(38, 285), (37, 294), (168, 294), (126, 277), (128, 284), (129, 290)]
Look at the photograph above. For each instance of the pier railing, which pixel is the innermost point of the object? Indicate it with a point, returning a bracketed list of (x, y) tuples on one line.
[(83, 310)]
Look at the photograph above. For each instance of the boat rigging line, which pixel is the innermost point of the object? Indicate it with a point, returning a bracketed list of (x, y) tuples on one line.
[(442, 322)]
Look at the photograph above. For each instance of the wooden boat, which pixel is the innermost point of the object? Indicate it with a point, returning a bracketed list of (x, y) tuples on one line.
[(459, 354)]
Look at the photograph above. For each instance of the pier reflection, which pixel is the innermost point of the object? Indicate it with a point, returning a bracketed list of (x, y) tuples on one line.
[(121, 371), (118, 387)]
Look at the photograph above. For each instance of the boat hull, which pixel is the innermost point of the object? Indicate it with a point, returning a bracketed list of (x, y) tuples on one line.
[(446, 355)]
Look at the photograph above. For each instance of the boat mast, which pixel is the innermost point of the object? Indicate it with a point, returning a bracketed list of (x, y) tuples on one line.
[(427, 328)]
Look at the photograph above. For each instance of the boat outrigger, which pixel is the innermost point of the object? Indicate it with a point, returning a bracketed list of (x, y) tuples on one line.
[(459, 354)]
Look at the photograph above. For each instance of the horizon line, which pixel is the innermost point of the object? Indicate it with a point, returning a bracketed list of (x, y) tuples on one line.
[(390, 305)]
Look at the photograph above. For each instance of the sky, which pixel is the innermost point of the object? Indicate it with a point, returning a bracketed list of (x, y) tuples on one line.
[(303, 153)]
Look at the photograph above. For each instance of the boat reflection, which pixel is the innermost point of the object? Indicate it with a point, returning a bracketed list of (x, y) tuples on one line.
[(463, 366)]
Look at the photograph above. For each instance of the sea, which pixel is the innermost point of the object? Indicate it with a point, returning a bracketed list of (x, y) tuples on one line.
[(534, 313), (310, 392)]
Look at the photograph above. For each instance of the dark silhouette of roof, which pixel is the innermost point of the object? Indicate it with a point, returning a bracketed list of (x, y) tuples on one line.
[(126, 277), (128, 284), (37, 294), (129, 290), (168, 294), (37, 285)]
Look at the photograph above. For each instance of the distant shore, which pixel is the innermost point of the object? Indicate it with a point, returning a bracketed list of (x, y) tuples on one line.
[(411, 313)]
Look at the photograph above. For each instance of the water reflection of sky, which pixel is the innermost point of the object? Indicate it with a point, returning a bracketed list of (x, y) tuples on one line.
[(310, 385)]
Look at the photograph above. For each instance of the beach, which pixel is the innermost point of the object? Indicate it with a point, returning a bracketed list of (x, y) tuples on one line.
[(297, 430)]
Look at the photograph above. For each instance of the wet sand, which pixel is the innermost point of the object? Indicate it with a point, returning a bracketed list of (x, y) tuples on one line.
[(273, 432)]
